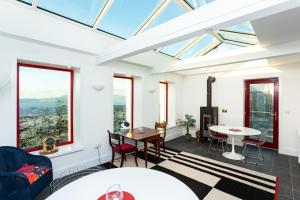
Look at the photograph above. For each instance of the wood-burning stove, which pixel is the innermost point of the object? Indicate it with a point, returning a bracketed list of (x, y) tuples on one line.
[(208, 114)]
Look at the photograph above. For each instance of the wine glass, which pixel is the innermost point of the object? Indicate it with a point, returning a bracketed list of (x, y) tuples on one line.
[(114, 192)]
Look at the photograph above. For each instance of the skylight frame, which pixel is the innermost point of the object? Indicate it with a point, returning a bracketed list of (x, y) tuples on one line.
[(241, 43), (105, 8), (154, 15)]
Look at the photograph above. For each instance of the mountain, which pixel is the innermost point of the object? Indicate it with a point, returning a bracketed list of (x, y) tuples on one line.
[(41, 106)]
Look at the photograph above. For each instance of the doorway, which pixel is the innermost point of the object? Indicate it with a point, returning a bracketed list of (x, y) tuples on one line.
[(261, 108)]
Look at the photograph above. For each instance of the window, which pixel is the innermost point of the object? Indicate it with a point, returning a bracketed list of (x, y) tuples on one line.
[(125, 17), (123, 101), (44, 105), (163, 101), (84, 12)]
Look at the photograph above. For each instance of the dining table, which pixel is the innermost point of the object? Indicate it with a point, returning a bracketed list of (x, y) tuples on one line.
[(233, 132), (143, 134), (141, 183)]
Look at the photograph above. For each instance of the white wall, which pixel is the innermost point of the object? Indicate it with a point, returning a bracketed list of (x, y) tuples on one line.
[(228, 92), (93, 109)]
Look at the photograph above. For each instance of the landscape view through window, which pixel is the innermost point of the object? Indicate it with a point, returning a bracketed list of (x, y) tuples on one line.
[(44, 106)]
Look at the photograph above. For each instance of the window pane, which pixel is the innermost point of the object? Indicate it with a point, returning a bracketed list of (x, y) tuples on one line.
[(125, 17), (224, 47), (163, 102), (173, 49), (200, 46), (243, 38), (198, 3), (170, 12), (44, 106), (244, 28), (83, 11), (261, 109), (26, 1), (122, 102)]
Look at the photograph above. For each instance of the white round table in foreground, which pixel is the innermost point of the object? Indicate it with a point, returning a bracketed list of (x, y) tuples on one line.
[(143, 184), (227, 130)]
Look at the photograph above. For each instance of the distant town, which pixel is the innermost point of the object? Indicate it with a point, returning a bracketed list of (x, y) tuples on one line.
[(41, 118)]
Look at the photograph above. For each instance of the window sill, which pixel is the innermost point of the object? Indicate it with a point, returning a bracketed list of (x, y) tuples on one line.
[(63, 150)]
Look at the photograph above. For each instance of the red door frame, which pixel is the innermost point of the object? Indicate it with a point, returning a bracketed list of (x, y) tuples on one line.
[(71, 101), (275, 81), (132, 96), (167, 98)]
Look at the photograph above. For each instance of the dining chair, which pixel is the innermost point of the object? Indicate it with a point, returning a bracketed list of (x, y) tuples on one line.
[(161, 127), (257, 142), (216, 137), (121, 148)]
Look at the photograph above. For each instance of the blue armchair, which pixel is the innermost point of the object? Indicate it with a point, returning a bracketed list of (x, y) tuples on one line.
[(15, 185)]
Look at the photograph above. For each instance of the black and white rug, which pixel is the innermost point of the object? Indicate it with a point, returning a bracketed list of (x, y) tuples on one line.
[(210, 179)]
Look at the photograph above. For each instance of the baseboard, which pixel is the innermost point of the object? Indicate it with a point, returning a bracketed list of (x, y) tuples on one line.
[(84, 164), (173, 136), (289, 151)]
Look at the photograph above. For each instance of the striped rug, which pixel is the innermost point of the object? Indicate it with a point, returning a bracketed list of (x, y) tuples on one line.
[(210, 179)]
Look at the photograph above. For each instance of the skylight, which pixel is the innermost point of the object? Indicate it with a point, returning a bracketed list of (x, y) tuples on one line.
[(199, 47), (26, 1), (198, 3), (175, 48), (126, 18), (84, 12), (125, 22), (172, 11)]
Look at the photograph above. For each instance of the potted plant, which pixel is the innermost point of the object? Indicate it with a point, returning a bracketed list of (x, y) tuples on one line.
[(188, 122)]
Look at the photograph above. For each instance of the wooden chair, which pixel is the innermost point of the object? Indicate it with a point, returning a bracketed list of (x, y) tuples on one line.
[(162, 129), (121, 148)]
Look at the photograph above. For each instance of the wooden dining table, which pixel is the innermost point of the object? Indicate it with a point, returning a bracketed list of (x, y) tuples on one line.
[(143, 134)]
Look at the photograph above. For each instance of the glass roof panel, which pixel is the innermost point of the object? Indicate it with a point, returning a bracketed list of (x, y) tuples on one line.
[(173, 49), (224, 47), (198, 3), (201, 45), (172, 11), (242, 38), (83, 11), (125, 17), (244, 28), (26, 1)]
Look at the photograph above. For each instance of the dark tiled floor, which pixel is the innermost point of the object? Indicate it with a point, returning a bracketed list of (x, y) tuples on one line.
[(285, 167)]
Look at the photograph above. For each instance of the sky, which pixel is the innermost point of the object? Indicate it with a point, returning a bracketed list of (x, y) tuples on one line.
[(41, 83)]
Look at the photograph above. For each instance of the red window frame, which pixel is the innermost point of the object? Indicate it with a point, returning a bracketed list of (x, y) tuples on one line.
[(167, 98), (132, 96), (71, 101), (275, 81)]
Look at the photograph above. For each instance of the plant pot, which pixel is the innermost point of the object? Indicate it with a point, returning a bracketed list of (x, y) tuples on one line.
[(188, 136)]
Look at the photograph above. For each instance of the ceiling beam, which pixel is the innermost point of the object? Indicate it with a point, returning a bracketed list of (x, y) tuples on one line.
[(235, 56), (214, 16)]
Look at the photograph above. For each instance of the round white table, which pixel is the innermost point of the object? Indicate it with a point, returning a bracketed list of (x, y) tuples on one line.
[(143, 184), (228, 130)]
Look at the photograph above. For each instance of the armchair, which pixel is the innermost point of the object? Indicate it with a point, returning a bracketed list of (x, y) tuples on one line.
[(15, 185)]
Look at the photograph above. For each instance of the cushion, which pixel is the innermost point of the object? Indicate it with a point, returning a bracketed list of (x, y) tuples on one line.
[(252, 142), (125, 147), (219, 136), (33, 173)]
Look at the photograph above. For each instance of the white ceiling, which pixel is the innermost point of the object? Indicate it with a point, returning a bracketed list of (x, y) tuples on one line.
[(279, 28), (272, 62)]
